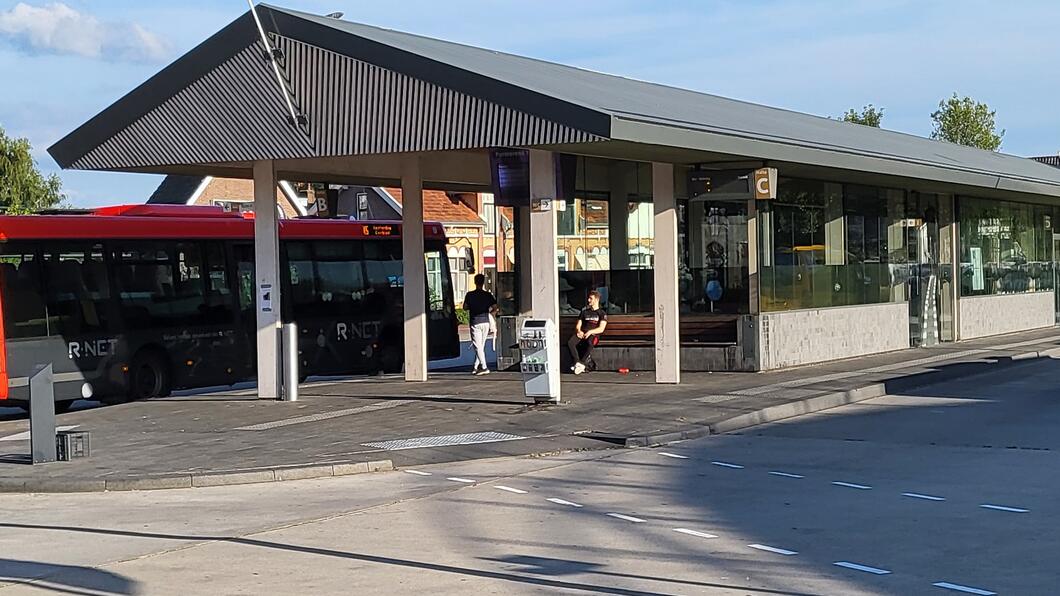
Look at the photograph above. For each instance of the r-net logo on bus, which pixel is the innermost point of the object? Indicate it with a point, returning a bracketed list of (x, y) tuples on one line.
[(92, 348), (360, 330)]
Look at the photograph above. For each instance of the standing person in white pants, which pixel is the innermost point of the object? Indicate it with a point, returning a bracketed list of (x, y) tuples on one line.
[(480, 305)]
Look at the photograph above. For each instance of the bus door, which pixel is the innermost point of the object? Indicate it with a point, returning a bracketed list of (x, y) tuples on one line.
[(443, 338), (246, 317), (177, 306), (30, 341)]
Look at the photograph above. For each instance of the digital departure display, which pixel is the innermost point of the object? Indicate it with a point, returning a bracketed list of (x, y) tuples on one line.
[(380, 230)]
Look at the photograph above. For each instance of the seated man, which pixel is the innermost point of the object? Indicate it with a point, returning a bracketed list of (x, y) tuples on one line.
[(591, 324)]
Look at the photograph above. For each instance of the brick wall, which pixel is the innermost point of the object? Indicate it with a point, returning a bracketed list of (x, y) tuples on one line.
[(237, 189)]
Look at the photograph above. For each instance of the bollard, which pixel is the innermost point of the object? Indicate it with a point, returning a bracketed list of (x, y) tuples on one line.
[(290, 361), (42, 416)]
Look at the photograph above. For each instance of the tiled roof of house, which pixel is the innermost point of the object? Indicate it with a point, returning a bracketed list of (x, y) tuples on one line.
[(437, 206), (175, 190), (1052, 160)]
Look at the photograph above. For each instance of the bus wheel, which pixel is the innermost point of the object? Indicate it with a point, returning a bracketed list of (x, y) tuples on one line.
[(148, 376)]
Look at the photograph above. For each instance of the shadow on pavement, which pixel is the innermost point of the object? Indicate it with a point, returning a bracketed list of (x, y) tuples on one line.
[(535, 565), (66, 579), (915, 436)]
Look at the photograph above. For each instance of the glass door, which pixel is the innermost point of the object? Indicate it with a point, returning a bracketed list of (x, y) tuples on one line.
[(922, 237)]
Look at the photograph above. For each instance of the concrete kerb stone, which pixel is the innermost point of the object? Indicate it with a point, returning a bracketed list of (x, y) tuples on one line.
[(70, 485), (840, 398)]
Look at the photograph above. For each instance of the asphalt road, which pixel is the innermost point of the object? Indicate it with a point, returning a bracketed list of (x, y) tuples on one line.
[(949, 491)]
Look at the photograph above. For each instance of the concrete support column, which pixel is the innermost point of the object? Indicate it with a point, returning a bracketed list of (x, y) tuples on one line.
[(544, 274), (667, 301), (414, 270), (266, 273)]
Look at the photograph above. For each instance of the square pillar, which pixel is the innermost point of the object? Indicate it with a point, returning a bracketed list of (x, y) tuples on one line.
[(667, 301), (267, 278), (543, 281), (414, 270), (544, 274)]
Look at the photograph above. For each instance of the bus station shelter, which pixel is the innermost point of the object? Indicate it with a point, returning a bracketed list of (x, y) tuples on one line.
[(725, 235)]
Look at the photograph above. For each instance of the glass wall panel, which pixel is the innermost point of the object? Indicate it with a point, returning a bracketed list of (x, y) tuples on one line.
[(826, 244), (1004, 247), (713, 274), (605, 238)]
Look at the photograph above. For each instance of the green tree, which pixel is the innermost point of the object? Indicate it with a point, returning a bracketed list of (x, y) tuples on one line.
[(869, 115), (23, 189), (966, 122)]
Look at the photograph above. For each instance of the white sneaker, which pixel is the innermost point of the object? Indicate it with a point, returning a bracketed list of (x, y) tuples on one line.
[(579, 368), (484, 371)]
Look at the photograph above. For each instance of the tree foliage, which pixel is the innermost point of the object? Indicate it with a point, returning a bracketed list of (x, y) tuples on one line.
[(23, 189), (869, 115), (966, 122)]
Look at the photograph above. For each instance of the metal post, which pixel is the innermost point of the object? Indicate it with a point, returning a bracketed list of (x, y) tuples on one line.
[(290, 361), (42, 416)]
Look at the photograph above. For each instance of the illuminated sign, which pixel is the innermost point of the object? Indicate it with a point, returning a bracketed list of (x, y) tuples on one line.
[(380, 230)]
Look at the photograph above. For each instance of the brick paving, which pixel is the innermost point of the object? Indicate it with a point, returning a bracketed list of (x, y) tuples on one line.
[(231, 431)]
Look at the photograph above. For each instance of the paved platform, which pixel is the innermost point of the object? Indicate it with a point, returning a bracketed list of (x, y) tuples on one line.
[(364, 424)]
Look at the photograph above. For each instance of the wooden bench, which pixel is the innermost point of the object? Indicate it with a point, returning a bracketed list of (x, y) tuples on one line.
[(639, 330)]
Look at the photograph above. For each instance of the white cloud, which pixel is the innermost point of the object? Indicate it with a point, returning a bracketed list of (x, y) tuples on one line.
[(59, 29)]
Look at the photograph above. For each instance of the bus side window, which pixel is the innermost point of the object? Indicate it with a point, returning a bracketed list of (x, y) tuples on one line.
[(244, 255), (302, 300), (219, 300), (77, 289), (340, 287), (384, 272), (23, 304)]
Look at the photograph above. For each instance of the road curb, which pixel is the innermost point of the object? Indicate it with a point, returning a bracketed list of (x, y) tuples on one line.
[(209, 479), (799, 408), (653, 440), (835, 399)]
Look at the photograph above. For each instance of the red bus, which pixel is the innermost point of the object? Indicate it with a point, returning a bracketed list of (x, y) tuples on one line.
[(132, 302)]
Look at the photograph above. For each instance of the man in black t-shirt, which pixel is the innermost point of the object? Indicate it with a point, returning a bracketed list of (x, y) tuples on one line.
[(591, 324), (480, 304)]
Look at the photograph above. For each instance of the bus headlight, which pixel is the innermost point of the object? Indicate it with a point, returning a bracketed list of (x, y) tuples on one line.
[(86, 391)]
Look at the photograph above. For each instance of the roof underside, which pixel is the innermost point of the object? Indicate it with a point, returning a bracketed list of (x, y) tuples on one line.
[(370, 91)]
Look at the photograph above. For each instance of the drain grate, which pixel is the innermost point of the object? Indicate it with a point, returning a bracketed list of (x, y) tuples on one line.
[(385, 405), (443, 441)]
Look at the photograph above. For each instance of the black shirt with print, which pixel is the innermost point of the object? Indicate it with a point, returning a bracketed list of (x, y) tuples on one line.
[(591, 318)]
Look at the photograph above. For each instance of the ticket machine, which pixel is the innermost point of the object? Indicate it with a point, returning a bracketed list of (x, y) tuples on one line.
[(539, 363)]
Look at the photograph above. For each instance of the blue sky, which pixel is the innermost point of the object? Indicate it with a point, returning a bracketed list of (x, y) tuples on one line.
[(62, 62)]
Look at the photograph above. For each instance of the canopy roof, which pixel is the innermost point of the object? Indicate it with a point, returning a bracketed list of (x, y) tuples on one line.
[(371, 91)]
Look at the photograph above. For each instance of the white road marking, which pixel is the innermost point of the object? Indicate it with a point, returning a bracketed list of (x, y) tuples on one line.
[(852, 485), (1003, 508), (925, 497), (965, 589), (562, 502), (773, 549), (727, 465), (418, 473), (786, 475), (673, 455), (628, 518), (694, 533), (510, 489), (865, 568), (459, 479)]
